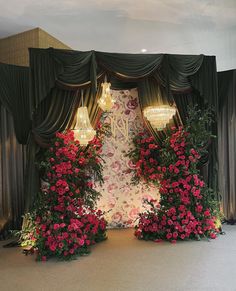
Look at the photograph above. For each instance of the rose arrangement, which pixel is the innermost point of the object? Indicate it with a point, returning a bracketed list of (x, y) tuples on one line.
[(187, 208), (70, 168), (70, 234), (66, 221)]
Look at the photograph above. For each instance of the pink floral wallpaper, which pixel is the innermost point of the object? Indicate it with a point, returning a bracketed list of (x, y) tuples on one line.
[(120, 200)]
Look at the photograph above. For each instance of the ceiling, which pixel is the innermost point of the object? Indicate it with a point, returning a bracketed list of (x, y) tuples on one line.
[(159, 26)]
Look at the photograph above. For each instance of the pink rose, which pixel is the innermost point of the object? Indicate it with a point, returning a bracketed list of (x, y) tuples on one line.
[(52, 247), (80, 241), (169, 235), (213, 235), (56, 226), (60, 245), (175, 235), (71, 251), (207, 213)]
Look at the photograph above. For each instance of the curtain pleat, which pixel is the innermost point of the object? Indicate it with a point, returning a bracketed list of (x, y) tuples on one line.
[(14, 95), (12, 169), (227, 142)]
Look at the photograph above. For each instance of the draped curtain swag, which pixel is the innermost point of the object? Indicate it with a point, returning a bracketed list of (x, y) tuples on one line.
[(227, 142), (48, 92)]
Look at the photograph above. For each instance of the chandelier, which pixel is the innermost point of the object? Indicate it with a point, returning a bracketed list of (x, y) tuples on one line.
[(159, 116), (83, 131), (106, 101)]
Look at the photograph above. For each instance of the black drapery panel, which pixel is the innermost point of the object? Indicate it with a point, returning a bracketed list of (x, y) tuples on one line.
[(14, 95), (54, 114), (227, 141), (185, 100), (14, 130), (12, 168), (205, 82)]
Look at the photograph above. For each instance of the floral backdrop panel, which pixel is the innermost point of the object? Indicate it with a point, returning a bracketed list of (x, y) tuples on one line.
[(120, 199)]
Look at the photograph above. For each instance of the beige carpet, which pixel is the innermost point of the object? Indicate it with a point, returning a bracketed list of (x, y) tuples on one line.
[(124, 263)]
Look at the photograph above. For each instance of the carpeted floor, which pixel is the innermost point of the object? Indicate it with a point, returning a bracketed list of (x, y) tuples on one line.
[(124, 263)]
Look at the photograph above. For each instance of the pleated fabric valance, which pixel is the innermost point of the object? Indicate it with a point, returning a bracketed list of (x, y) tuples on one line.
[(74, 68)]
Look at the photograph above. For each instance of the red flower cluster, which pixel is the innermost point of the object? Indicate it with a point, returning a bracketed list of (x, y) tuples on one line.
[(66, 224), (185, 209), (145, 158), (67, 237)]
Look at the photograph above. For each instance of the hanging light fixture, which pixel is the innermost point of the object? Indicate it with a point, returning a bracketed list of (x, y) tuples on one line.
[(83, 131), (159, 116), (106, 101)]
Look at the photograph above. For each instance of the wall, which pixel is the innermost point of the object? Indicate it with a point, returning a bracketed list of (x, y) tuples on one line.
[(14, 49), (120, 199)]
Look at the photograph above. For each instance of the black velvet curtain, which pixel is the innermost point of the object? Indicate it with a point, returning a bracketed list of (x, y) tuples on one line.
[(227, 142), (14, 96), (12, 170), (15, 125), (51, 90)]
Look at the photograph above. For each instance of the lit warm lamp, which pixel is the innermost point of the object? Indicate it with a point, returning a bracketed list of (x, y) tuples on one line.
[(106, 101), (83, 131), (159, 116)]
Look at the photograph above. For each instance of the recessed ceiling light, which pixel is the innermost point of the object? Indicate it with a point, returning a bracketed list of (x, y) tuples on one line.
[(143, 50)]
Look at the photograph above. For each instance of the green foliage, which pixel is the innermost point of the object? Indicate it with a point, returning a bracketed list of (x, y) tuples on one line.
[(26, 236)]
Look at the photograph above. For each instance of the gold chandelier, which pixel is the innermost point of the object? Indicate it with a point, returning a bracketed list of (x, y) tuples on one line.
[(83, 130), (159, 116), (106, 101)]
